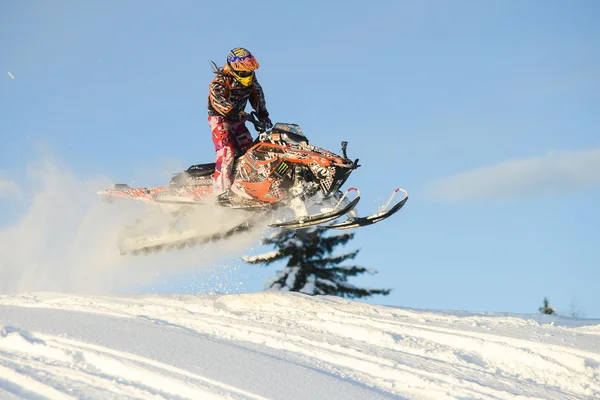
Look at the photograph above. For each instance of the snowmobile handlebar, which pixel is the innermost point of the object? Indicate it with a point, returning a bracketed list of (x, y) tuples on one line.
[(260, 126)]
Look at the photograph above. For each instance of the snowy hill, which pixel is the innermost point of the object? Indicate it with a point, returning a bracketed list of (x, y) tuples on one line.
[(274, 345)]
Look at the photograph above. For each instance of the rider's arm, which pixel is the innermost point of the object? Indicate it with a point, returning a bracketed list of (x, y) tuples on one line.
[(257, 100), (219, 96)]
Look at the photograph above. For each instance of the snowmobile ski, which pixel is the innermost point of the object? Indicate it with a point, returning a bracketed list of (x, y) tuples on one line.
[(382, 214), (318, 219)]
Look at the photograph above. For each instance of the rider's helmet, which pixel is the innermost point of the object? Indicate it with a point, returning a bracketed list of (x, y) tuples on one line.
[(242, 65)]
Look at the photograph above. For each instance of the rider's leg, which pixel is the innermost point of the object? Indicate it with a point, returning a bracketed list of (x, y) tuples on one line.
[(243, 138), (225, 145)]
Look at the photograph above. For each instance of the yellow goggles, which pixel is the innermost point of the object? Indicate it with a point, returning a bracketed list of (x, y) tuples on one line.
[(243, 77)]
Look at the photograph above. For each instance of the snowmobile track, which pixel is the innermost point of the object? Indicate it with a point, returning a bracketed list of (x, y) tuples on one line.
[(190, 242)]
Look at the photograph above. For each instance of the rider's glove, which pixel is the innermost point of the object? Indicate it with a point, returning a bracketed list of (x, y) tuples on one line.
[(243, 116), (267, 122), (264, 118)]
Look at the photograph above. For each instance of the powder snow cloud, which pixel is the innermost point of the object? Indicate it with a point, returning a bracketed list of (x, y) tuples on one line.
[(65, 239), (554, 172)]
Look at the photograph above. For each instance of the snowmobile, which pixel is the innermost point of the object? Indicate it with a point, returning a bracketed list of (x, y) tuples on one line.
[(279, 170)]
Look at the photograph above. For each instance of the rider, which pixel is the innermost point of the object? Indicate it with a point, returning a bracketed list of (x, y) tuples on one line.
[(234, 84)]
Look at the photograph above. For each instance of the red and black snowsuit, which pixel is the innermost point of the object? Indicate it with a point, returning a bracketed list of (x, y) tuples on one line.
[(227, 98)]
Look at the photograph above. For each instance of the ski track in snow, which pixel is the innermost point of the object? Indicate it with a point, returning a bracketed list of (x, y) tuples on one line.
[(337, 345)]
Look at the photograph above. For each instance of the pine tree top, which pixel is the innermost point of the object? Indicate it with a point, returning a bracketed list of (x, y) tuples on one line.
[(312, 267)]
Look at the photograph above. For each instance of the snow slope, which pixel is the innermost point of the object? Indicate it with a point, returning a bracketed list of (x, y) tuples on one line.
[(274, 345)]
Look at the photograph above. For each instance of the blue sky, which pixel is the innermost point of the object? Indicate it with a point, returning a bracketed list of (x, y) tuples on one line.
[(486, 112)]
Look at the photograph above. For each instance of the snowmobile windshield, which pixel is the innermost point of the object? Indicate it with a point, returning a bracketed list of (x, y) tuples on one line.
[(290, 133)]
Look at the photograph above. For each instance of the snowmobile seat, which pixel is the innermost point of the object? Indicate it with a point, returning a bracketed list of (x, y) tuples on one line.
[(195, 171), (201, 170)]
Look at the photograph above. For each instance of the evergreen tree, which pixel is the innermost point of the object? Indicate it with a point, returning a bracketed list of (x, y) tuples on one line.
[(311, 267), (546, 309)]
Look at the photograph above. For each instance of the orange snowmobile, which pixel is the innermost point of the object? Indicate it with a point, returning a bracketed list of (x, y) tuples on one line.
[(279, 170)]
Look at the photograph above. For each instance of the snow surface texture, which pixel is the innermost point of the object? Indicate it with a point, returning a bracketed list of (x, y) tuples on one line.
[(275, 345)]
